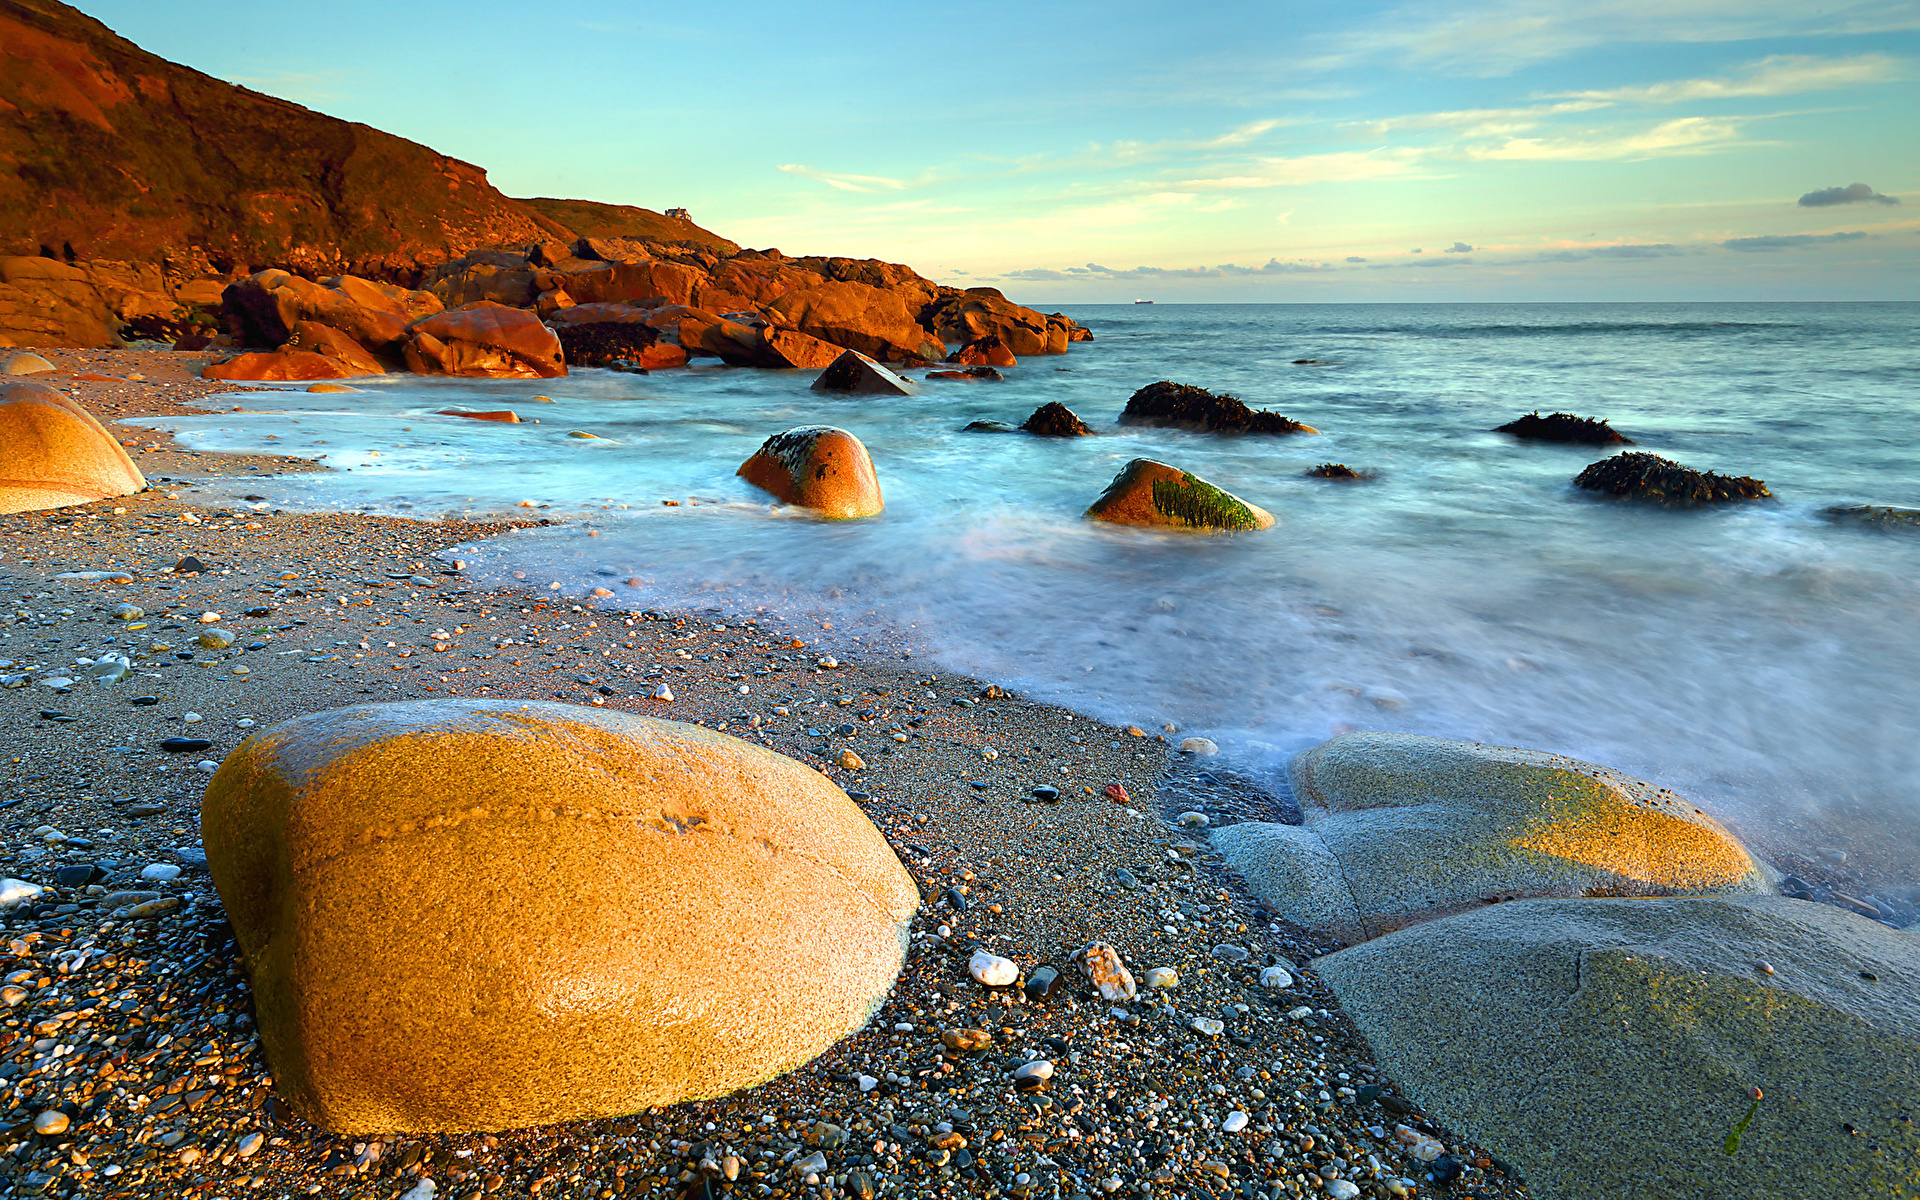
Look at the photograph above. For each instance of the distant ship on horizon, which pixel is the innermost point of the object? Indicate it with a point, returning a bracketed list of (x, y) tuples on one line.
[(1143, 302)]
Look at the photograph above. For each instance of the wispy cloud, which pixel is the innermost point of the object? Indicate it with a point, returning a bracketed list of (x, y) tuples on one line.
[(1780, 75), (1683, 135), (845, 182), (1856, 193), (1790, 241), (1343, 166), (1272, 266), (1458, 248)]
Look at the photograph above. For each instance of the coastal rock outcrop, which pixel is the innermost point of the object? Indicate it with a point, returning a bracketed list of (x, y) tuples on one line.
[(817, 467), (1152, 493), (54, 453), (389, 873), (1637, 475), (988, 351), (1564, 427), (876, 322), (484, 340), (264, 308), (853, 371), (1401, 828), (1183, 406), (1054, 419), (271, 365), (964, 317), (48, 303), (1607, 1047)]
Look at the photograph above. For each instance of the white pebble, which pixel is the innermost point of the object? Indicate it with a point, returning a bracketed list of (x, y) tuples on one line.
[(15, 892), (1162, 978), (1235, 1122), (160, 872), (1276, 977), (208, 618), (662, 692), (1211, 1026), (1195, 820), (192, 718), (1203, 747), (250, 1144), (424, 1190), (991, 969), (245, 722), (207, 765), (1419, 1145), (1039, 1068), (868, 1083), (1341, 1189)]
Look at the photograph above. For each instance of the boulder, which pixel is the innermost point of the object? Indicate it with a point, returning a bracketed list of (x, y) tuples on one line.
[(970, 375), (871, 320), (1637, 475), (817, 467), (1874, 516), (53, 452), (1076, 332), (964, 317), (496, 275), (44, 302), (788, 349), (1182, 406), (988, 351), (410, 303), (1564, 427), (599, 343), (329, 342), (263, 309), (485, 340), (1055, 419), (987, 426), (618, 312), (26, 364), (1154, 494), (476, 915), (331, 389), (281, 365), (663, 282), (1606, 1047), (853, 371), (1401, 828)]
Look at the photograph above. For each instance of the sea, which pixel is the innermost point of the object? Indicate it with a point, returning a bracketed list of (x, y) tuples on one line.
[(1761, 658)]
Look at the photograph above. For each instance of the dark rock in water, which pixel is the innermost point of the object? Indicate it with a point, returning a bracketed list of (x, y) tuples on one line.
[(969, 375), (189, 566), (1638, 475), (1337, 471), (1042, 983), (988, 426), (1183, 406), (185, 745), (1055, 419), (1564, 427), (599, 343), (855, 372), (1878, 516)]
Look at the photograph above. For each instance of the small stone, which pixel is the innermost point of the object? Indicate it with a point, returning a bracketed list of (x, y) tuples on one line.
[(216, 639), (966, 1040), (209, 618), (1203, 747), (178, 745), (990, 969), (15, 892), (662, 692), (1341, 1189), (1046, 795), (76, 875), (1108, 974), (1231, 953), (1039, 1069), (128, 612), (1042, 983), (812, 1164), (51, 1122), (1421, 1147), (160, 872), (850, 761), (249, 1145), (829, 662), (1211, 1026), (868, 1083), (1162, 978), (1126, 879), (1276, 977), (189, 566), (192, 718), (1235, 1122), (1195, 820)]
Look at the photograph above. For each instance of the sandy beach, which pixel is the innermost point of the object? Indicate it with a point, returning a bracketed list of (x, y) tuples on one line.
[(1029, 830)]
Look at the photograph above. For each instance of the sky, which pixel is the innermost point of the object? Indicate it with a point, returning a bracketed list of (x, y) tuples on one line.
[(1076, 152)]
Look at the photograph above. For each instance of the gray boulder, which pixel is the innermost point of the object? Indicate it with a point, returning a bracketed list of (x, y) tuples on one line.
[(1402, 828), (855, 372), (1605, 1047)]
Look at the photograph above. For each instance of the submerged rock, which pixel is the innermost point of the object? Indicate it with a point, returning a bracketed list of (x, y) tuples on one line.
[(970, 375), (1401, 828), (1606, 1047), (728, 915), (1877, 516), (855, 372), (1339, 471), (1182, 406), (1564, 427), (817, 467), (54, 453), (1637, 475), (1152, 493), (1055, 419)]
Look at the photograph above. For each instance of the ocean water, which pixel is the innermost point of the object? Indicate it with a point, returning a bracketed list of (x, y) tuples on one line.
[(1759, 658)]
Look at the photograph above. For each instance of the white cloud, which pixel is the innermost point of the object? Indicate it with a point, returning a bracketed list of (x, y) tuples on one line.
[(1684, 135), (1783, 74), (1346, 166), (845, 182)]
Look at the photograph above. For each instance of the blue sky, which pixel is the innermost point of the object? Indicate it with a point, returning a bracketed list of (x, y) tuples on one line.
[(1501, 150)]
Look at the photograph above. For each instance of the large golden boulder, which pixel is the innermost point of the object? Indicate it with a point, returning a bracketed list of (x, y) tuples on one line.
[(817, 467), (54, 453), (858, 317), (484, 340), (1154, 494), (477, 915)]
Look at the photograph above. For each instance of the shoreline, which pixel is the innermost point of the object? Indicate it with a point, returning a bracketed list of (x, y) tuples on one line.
[(350, 608)]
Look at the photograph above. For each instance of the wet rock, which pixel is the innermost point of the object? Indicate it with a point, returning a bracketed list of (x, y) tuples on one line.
[(855, 372), (973, 375), (1154, 494), (503, 415), (689, 853), (1637, 475), (181, 745), (988, 351), (881, 322), (1875, 516), (54, 453), (1054, 419), (1564, 427), (1182, 406), (817, 467), (1401, 828), (485, 340), (1338, 471)]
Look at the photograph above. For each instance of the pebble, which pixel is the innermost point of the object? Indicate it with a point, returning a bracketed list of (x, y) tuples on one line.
[(1162, 978), (424, 1190), (192, 718), (1042, 983), (1419, 1145), (1211, 1026), (128, 612), (178, 745), (1235, 1122), (15, 892), (1204, 747), (1195, 820), (249, 1145), (51, 1122), (662, 692), (1231, 953), (216, 639), (990, 969), (868, 1083), (1039, 1069), (1107, 973), (209, 618), (1341, 1189), (829, 662), (1276, 977), (850, 761), (967, 1040), (160, 872)]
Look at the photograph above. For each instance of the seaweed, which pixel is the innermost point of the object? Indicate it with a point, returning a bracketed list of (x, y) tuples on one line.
[(1565, 427), (1198, 503)]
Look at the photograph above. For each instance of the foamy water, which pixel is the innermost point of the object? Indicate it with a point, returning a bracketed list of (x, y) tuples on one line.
[(1757, 657)]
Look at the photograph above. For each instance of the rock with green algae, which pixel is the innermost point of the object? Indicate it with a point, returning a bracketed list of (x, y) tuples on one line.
[(1152, 493), (1606, 1047), (1401, 828)]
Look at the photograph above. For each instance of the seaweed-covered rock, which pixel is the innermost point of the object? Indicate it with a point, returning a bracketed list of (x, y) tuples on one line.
[(1565, 427), (1183, 406), (989, 427), (1606, 1047), (1054, 419), (855, 372), (817, 467), (970, 375), (1875, 516), (599, 343), (1338, 471), (1152, 493), (1401, 828), (390, 873), (1637, 475)]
